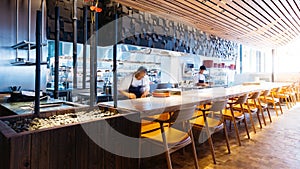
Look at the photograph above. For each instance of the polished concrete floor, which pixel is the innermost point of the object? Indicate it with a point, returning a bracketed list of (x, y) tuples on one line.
[(276, 146)]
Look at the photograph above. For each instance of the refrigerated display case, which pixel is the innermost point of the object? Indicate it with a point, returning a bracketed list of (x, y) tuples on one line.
[(220, 77)]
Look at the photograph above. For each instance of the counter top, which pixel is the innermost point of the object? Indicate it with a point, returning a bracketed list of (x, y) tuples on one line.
[(156, 105)]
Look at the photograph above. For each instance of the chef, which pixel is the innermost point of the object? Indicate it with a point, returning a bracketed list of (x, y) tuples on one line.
[(135, 85), (199, 79)]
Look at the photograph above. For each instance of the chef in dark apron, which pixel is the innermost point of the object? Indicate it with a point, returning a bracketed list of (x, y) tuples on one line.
[(138, 86), (200, 78), (138, 90)]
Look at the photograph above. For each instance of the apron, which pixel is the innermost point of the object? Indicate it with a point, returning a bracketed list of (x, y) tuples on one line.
[(136, 90)]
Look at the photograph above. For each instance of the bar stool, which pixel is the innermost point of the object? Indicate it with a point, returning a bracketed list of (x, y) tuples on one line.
[(151, 125), (290, 92), (254, 107), (170, 138), (246, 108), (237, 116), (284, 96), (270, 99), (264, 105), (214, 123)]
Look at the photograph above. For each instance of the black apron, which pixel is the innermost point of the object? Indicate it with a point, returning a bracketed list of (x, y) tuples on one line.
[(200, 81), (136, 90)]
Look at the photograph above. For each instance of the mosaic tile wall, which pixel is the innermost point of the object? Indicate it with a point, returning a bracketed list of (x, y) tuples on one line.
[(143, 29)]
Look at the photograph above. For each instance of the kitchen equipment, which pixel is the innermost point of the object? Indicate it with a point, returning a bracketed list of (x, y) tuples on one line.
[(15, 89), (161, 93), (107, 87)]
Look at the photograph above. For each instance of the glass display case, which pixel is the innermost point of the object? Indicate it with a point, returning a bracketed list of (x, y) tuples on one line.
[(220, 76)]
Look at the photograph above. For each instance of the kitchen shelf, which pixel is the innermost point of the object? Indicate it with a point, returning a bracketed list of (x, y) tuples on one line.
[(26, 45), (26, 63), (128, 61)]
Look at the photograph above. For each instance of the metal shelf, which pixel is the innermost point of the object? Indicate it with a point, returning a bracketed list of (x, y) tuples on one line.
[(27, 63), (25, 45)]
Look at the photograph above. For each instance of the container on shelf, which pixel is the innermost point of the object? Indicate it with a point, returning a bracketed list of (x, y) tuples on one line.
[(232, 67), (208, 63)]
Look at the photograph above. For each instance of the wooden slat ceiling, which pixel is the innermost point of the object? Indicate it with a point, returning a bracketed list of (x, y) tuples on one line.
[(261, 23)]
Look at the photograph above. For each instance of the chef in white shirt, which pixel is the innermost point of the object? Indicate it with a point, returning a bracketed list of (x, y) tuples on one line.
[(136, 85), (199, 79)]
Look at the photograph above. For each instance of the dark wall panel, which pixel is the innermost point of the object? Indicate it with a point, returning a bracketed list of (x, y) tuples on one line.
[(143, 29)]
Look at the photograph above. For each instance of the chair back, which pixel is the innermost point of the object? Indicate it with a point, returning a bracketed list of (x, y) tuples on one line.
[(265, 93), (218, 105), (276, 89), (182, 115), (255, 95), (242, 99)]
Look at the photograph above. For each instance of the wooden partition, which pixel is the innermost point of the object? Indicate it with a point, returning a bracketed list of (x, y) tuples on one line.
[(69, 146)]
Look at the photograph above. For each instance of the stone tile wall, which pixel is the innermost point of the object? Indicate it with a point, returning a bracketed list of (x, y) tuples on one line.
[(142, 29)]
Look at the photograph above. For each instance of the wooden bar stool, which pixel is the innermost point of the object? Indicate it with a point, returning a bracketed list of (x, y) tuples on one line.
[(271, 99), (211, 119), (172, 138), (264, 106), (254, 107), (237, 116), (284, 96)]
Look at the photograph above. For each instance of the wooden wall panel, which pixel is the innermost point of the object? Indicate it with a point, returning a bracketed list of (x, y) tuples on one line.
[(20, 152), (71, 146)]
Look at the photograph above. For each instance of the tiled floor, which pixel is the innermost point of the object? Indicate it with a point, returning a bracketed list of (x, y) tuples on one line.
[(276, 145)]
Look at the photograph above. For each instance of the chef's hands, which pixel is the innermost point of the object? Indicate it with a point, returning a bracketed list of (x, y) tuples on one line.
[(202, 84), (145, 94), (131, 96)]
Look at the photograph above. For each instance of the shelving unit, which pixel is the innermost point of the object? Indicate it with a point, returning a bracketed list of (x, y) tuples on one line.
[(24, 45), (26, 63), (128, 61)]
